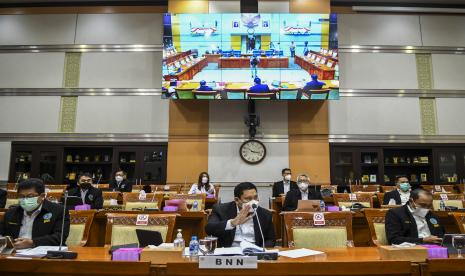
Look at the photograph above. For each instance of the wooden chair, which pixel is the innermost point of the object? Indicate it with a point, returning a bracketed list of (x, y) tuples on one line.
[(289, 94), (455, 200), (56, 188), (386, 189), (371, 188), (199, 198), (11, 199), (205, 95), (375, 219), (302, 232), (439, 188), (121, 228), (366, 199), (55, 197), (183, 93), (109, 197), (80, 223), (461, 188), (318, 94), (172, 188), (11, 186), (380, 197), (459, 219), (261, 96), (101, 186), (132, 201)]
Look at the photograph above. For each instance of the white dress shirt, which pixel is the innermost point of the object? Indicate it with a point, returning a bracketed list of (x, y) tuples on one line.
[(422, 225), (244, 232), (83, 196), (195, 190), (404, 196), (287, 186), (26, 224), (304, 195)]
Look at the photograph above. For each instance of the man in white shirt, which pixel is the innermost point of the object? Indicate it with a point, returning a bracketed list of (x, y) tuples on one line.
[(414, 222), (401, 195), (305, 192), (237, 221)]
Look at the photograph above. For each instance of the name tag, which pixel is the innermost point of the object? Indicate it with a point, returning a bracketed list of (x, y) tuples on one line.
[(228, 262)]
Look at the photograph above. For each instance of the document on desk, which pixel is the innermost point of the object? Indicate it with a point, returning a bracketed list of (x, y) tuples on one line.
[(39, 251), (298, 253)]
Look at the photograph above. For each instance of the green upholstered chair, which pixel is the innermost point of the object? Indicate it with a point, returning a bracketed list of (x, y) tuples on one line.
[(199, 198), (133, 201), (302, 231), (366, 199), (121, 228), (455, 200), (205, 95), (375, 219), (184, 94), (261, 96), (79, 230), (109, 198)]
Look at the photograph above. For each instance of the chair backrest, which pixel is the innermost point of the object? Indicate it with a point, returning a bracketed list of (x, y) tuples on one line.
[(199, 198), (133, 201), (372, 188), (261, 96), (459, 219), (56, 188), (455, 200), (11, 186), (386, 189), (375, 219), (108, 197), (439, 188), (302, 231), (366, 199), (205, 95), (184, 94), (172, 188), (121, 228), (101, 186), (80, 223), (54, 196), (318, 94), (235, 94), (380, 197), (288, 94), (11, 198)]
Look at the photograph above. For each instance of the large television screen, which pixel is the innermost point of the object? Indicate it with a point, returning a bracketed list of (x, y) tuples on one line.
[(250, 56)]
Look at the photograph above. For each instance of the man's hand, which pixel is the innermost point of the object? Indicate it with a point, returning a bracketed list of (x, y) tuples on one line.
[(243, 216), (432, 239), (21, 243)]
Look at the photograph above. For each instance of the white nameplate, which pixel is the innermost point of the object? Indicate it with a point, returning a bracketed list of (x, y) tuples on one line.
[(228, 262)]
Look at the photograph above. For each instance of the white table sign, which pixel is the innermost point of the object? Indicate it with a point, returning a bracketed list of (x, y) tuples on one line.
[(228, 262)]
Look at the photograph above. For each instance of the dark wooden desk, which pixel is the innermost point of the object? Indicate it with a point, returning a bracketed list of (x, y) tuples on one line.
[(191, 223), (443, 267), (213, 58), (324, 72), (176, 56), (188, 72)]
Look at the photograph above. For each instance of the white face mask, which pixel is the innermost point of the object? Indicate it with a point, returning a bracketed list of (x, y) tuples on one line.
[(287, 177), (421, 212), (119, 178), (204, 180), (303, 186), (251, 203)]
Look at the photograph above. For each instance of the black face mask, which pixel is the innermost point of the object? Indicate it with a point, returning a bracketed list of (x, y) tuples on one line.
[(85, 186)]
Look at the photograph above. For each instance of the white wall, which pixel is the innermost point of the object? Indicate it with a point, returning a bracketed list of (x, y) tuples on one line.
[(450, 114), (443, 30), (5, 153), (224, 6), (273, 6), (448, 71)]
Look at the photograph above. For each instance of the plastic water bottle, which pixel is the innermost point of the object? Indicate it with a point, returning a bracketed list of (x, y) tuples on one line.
[(194, 247), (442, 205), (322, 206), (179, 241), (195, 205)]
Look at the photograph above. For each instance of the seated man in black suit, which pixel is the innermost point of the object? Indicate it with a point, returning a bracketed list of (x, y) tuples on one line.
[(284, 186), (87, 192), (303, 193), (120, 183), (35, 221), (3, 194), (401, 195), (414, 222), (236, 221)]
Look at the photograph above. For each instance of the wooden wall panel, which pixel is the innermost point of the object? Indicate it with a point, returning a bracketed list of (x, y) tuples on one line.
[(84, 10), (188, 118), (308, 117), (188, 6), (309, 6)]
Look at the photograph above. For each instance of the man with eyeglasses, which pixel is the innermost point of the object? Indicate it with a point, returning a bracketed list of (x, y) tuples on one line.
[(87, 192), (35, 221), (414, 222)]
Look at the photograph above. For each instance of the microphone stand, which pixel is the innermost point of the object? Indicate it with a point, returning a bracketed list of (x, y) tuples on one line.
[(255, 207), (262, 255)]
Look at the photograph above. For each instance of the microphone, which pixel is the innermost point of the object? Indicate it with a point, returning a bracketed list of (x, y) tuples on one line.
[(53, 254), (255, 208)]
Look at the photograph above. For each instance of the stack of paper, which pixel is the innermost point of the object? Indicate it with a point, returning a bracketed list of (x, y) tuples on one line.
[(39, 251), (298, 253)]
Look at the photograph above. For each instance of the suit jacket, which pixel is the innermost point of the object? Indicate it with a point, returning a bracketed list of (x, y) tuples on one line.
[(394, 194), (293, 197), (125, 186), (278, 188), (3, 194), (259, 88), (46, 229), (93, 196), (401, 226), (314, 85), (204, 88), (220, 215)]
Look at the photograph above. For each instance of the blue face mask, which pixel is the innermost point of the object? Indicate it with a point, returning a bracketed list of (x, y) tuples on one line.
[(404, 187), (29, 204)]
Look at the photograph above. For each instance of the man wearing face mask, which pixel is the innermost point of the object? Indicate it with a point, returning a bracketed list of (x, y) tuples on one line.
[(87, 192), (284, 186), (120, 183), (236, 221), (401, 195), (414, 222), (36, 221), (304, 192)]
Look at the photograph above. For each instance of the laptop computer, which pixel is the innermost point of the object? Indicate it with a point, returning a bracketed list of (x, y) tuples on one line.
[(72, 202), (447, 242), (148, 237), (308, 205)]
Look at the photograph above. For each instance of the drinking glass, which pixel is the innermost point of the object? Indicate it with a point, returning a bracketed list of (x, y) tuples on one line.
[(458, 242)]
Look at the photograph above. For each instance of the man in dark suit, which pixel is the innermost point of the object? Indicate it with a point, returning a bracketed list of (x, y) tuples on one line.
[(3, 194), (284, 186), (401, 195), (236, 221), (304, 192), (120, 183), (87, 192), (35, 221), (414, 222), (204, 87), (314, 84), (258, 87)]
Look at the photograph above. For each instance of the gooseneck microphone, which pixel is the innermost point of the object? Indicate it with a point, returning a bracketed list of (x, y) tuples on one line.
[(255, 207)]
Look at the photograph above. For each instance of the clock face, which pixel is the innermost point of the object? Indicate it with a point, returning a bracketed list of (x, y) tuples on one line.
[(252, 151)]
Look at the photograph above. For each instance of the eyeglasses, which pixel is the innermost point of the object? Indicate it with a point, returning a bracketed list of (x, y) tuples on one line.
[(27, 196), (85, 180)]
